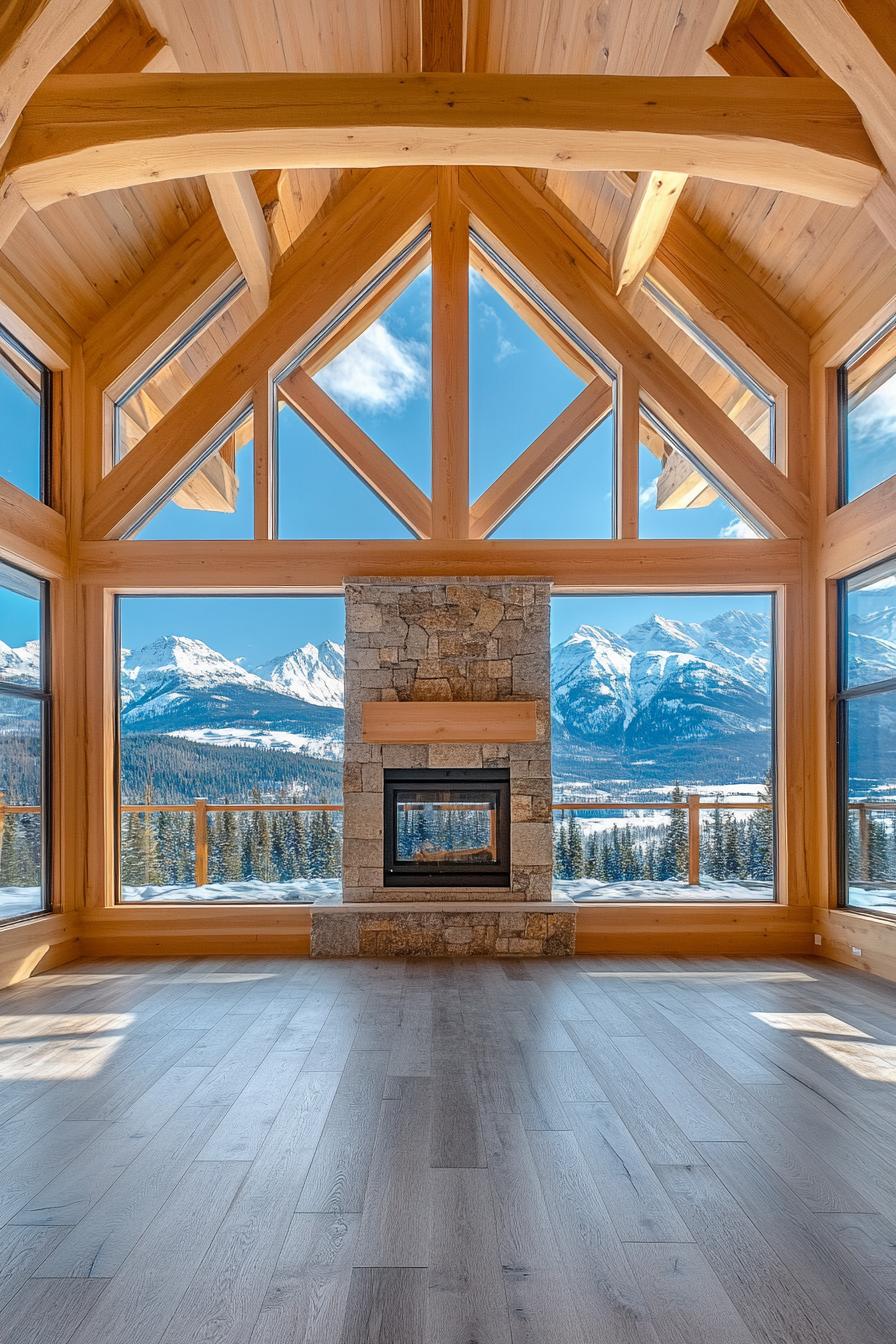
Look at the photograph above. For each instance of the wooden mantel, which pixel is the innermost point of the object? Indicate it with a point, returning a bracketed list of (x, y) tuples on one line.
[(448, 721)]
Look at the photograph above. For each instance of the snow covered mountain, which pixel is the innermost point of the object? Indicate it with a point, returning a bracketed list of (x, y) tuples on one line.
[(182, 687), (312, 673), (21, 665)]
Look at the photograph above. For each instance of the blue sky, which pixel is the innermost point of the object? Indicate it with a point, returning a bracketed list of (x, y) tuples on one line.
[(20, 418)]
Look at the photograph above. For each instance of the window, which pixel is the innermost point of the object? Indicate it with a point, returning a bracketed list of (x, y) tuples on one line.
[(375, 363), (142, 405), (25, 418), (664, 746), (526, 369), (867, 740), (676, 497), (214, 502), (729, 385), (24, 744), (230, 748), (867, 394)]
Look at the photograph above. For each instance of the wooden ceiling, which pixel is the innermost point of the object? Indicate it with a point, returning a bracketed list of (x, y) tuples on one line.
[(82, 255)]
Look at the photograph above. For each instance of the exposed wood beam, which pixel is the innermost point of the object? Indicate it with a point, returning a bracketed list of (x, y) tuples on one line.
[(82, 134), (443, 26), (881, 207), (557, 258), (336, 256), (450, 360), (628, 439), (358, 450), (34, 38), (125, 43), (242, 219), (537, 461), (31, 533), (306, 566), (854, 44), (643, 227)]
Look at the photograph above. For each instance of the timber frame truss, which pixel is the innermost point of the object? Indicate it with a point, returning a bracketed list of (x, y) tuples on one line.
[(323, 294)]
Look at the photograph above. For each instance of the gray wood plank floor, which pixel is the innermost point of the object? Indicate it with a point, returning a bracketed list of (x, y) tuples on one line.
[(596, 1151)]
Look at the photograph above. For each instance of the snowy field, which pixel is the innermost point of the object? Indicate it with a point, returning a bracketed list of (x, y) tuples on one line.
[(304, 891), (18, 901), (588, 890), (873, 898)]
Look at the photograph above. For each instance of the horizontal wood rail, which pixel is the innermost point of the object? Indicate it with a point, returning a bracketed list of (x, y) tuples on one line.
[(82, 134)]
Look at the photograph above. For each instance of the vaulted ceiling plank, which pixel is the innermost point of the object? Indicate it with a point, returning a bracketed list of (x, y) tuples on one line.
[(83, 134)]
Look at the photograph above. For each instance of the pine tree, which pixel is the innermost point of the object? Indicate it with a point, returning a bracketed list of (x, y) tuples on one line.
[(575, 852), (229, 858)]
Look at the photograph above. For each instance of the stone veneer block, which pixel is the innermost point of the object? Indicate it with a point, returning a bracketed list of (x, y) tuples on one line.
[(451, 639), (447, 930)]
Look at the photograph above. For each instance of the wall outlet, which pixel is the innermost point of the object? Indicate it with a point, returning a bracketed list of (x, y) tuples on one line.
[(857, 951), (817, 940)]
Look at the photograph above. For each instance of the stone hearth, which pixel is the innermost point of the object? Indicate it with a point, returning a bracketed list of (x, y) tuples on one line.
[(446, 640)]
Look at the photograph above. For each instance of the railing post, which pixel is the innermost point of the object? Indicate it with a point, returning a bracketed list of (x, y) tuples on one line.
[(864, 843), (200, 837), (2, 818), (693, 839)]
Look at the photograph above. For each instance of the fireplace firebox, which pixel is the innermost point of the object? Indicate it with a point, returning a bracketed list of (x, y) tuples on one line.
[(446, 828)]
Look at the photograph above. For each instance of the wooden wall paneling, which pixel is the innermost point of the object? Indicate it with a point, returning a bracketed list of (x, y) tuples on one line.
[(812, 139), (338, 255), (628, 449), (99, 713), (322, 566), (31, 946), (143, 930), (263, 431), (450, 360), (694, 929), (560, 260), (365, 458), (534, 463)]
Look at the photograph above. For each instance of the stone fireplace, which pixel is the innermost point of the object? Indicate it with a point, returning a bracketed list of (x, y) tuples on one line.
[(418, 813)]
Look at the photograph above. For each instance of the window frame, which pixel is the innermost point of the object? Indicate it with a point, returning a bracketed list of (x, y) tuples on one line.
[(45, 393), (844, 694), (843, 369), (42, 695), (776, 681)]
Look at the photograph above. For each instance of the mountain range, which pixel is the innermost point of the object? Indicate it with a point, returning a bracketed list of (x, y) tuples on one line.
[(668, 700)]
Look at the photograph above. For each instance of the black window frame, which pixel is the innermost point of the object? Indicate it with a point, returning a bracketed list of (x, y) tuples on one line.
[(42, 695), (44, 378), (844, 694)]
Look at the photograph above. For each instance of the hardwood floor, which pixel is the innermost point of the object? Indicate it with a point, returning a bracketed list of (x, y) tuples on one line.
[(270, 1151)]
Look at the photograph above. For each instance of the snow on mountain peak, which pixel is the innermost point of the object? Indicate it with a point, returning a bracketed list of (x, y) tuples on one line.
[(313, 674)]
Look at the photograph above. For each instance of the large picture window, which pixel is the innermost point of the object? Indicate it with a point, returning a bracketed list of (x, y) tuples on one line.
[(664, 746), (24, 418), (24, 744), (867, 390), (867, 740), (230, 748)]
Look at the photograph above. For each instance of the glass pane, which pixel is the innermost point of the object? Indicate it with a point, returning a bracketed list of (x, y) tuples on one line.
[(657, 699), (20, 627), (676, 499), (215, 502), (318, 495), (713, 369), (447, 828), (21, 788), (21, 442), (235, 702), (163, 385), (871, 801), (518, 383), (870, 431), (383, 379), (870, 616), (576, 499)]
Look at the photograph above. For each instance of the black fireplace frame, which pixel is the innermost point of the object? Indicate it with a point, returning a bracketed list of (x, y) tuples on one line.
[(401, 873)]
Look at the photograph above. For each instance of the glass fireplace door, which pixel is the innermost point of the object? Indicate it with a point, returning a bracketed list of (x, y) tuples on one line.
[(446, 828)]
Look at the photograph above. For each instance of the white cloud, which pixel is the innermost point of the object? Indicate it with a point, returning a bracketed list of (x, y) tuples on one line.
[(504, 347), (378, 372), (647, 497), (877, 413), (739, 530)]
